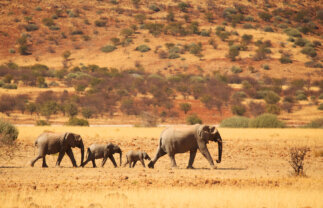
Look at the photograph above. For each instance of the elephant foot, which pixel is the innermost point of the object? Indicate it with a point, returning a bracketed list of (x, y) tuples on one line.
[(175, 167), (213, 167), (190, 167), (45, 166), (151, 165)]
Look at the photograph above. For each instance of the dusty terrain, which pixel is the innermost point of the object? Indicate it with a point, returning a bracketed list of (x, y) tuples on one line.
[(254, 172)]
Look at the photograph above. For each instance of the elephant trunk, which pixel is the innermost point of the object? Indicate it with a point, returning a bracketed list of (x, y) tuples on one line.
[(82, 151), (120, 158), (220, 149)]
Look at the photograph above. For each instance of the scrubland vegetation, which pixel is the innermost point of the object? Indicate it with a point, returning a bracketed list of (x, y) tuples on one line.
[(249, 64)]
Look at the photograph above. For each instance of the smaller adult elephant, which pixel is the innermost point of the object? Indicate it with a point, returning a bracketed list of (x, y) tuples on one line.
[(51, 143), (191, 138), (105, 151), (134, 156)]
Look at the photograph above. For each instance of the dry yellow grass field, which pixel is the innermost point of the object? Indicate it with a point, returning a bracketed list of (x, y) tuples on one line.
[(254, 172)]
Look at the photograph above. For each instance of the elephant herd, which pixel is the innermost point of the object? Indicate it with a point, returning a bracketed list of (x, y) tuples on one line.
[(173, 140)]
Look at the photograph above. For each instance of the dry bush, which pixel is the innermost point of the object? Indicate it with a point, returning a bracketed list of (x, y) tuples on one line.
[(297, 156)]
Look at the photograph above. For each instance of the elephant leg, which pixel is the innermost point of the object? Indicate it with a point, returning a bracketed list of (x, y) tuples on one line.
[(34, 160), (104, 160), (205, 152), (124, 165), (86, 161), (60, 157), (134, 164), (160, 153), (172, 159), (131, 162), (93, 162), (191, 160), (143, 162), (44, 162), (71, 156), (113, 160)]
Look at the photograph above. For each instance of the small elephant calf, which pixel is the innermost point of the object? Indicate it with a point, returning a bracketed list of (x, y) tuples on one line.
[(105, 151), (134, 156)]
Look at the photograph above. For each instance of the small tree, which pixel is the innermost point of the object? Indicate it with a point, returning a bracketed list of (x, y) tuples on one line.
[(185, 107), (66, 56), (233, 52), (71, 109), (8, 132), (193, 119), (297, 156)]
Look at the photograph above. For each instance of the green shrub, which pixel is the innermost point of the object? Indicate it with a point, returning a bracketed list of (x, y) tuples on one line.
[(309, 51), (268, 29), (301, 96), (317, 123), (273, 109), (293, 32), (87, 113), (143, 48), (100, 23), (265, 16), (320, 107), (247, 26), (154, 7), (77, 32), (236, 69), (313, 64), (301, 41), (271, 97), (9, 86), (282, 26), (74, 121), (108, 48), (54, 27), (205, 33), (249, 19), (173, 56), (8, 132), (193, 119), (266, 67), (183, 6), (11, 50), (285, 59), (42, 123), (48, 21), (266, 121), (195, 49), (234, 51), (238, 109), (235, 122), (31, 27)]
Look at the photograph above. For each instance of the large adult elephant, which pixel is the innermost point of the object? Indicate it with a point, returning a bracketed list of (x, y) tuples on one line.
[(51, 143), (175, 140)]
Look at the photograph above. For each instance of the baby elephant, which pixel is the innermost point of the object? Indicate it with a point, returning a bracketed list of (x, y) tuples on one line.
[(134, 156), (105, 151)]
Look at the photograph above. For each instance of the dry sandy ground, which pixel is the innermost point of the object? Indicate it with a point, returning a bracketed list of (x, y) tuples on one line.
[(254, 172)]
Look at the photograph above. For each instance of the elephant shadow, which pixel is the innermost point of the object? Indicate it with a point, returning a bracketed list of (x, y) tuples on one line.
[(7, 167)]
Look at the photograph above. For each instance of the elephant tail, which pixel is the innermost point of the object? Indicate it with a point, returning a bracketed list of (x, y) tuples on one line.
[(36, 143)]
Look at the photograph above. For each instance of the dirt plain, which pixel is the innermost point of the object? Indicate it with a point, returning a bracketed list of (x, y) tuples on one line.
[(254, 172)]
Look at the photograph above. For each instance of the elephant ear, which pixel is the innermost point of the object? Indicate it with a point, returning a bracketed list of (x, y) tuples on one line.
[(110, 147), (69, 139), (213, 129), (202, 129)]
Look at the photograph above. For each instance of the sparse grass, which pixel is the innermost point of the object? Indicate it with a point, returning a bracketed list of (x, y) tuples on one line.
[(253, 173)]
